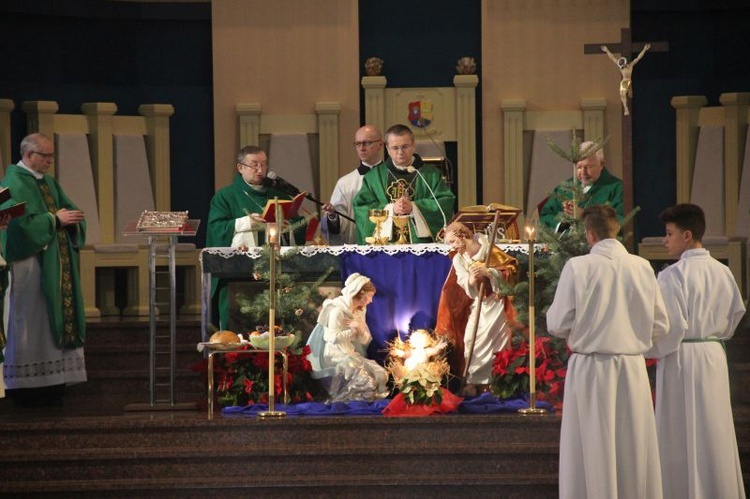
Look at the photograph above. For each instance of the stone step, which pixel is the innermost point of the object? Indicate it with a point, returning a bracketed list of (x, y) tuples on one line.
[(174, 455), (124, 332), (738, 348), (137, 356), (319, 455), (115, 389), (446, 485), (739, 380)]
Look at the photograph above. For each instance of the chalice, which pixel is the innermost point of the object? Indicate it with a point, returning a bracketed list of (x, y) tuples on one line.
[(402, 223), (378, 217)]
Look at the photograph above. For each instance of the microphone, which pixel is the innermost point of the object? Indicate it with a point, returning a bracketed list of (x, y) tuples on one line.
[(411, 169), (273, 180)]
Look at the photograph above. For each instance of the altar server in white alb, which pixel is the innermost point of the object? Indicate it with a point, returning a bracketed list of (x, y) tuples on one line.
[(697, 441), (369, 145), (609, 308)]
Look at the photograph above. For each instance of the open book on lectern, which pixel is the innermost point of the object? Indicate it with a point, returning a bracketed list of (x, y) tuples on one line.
[(479, 218), (289, 207)]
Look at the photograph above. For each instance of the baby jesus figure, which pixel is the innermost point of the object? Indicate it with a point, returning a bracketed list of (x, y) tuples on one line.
[(419, 349)]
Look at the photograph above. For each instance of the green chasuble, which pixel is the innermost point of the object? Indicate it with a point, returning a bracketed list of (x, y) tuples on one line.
[(236, 201), (606, 190), (36, 233), (228, 204), (383, 185)]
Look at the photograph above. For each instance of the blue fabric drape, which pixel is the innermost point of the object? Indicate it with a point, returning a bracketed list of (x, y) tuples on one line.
[(482, 404), (408, 292)]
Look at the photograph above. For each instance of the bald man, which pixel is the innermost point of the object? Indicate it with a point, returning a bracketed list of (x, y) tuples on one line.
[(369, 144)]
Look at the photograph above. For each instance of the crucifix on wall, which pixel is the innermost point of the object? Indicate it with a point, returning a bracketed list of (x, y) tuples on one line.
[(626, 48)]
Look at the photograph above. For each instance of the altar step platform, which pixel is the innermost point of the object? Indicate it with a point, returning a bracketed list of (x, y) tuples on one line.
[(117, 365), (93, 447)]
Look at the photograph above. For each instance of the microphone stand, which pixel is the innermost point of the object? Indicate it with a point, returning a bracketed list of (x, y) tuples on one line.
[(311, 198), (291, 190)]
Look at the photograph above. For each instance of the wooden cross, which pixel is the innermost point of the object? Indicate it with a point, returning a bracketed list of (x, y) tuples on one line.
[(626, 47)]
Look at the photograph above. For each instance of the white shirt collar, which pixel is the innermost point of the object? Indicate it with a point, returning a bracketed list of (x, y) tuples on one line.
[(37, 175)]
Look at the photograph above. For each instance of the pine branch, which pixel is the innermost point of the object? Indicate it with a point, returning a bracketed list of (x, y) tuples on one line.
[(575, 154)]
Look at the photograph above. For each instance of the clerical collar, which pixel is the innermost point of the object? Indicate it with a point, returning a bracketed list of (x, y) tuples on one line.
[(256, 188), (37, 175), (363, 168), (399, 172), (402, 169)]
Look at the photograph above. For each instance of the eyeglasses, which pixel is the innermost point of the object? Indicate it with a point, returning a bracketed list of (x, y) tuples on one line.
[(255, 165), (45, 155), (400, 148), (588, 168), (366, 143)]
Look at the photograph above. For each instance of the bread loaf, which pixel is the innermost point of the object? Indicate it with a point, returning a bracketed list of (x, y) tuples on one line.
[(224, 337)]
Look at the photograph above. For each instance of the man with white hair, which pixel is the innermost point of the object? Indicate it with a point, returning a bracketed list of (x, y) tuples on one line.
[(598, 185), (46, 324)]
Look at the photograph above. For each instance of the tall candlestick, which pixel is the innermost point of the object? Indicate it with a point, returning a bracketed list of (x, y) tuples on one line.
[(532, 409), (273, 246)]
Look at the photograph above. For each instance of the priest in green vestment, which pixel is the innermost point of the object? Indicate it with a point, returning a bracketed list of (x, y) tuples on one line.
[(234, 218), (598, 185), (46, 321), (404, 186)]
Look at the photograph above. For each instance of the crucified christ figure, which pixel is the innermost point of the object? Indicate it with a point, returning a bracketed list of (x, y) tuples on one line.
[(626, 69)]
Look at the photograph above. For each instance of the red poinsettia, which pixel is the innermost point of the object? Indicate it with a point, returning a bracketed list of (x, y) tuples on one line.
[(242, 377), (510, 368)]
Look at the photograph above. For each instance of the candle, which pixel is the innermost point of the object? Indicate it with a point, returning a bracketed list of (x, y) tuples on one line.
[(532, 409), (273, 234)]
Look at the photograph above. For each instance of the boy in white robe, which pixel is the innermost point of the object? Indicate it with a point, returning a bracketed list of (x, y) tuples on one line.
[(697, 441), (609, 308)]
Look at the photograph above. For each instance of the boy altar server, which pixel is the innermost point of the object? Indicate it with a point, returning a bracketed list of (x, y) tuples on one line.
[(608, 307), (697, 441)]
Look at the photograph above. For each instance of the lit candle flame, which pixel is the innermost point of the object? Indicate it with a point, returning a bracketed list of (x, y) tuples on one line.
[(272, 233), (530, 232)]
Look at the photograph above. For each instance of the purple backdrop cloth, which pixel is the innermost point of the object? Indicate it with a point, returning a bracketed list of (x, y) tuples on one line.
[(408, 291)]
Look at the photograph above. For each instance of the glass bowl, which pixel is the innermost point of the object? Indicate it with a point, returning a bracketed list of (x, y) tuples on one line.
[(260, 341)]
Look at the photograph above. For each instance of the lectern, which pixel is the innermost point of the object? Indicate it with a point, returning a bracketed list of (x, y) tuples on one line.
[(158, 226), (479, 218)]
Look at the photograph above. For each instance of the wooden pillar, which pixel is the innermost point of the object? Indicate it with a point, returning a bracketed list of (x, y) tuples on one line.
[(593, 118), (735, 129), (249, 124), (101, 147), (513, 125), (688, 110), (466, 136), (6, 106), (157, 147), (375, 101), (328, 143), (40, 117)]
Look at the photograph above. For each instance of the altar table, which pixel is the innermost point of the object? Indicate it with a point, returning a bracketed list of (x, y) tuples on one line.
[(408, 279)]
